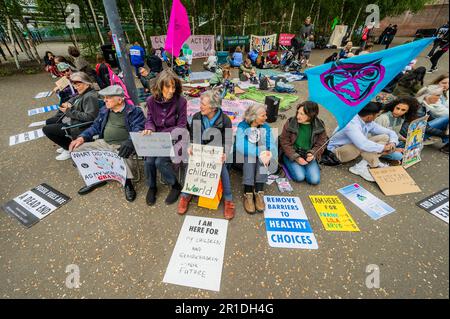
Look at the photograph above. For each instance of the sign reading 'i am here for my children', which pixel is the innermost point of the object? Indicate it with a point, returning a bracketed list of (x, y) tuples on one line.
[(287, 224)]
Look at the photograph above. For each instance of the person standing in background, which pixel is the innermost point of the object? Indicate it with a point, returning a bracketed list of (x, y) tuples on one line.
[(137, 56)]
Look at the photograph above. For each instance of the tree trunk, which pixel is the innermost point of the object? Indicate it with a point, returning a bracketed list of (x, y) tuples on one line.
[(22, 43), (312, 6), (282, 22), (221, 30), (354, 24), (292, 17), (136, 22), (215, 24), (7, 47), (95, 22), (63, 11), (16, 59), (243, 27), (164, 14), (342, 11), (32, 43), (142, 17)]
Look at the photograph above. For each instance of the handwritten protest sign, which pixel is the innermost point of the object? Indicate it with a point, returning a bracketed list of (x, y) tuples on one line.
[(35, 204), (264, 43), (62, 83), (204, 169), (98, 166), (197, 259), (41, 95), (368, 203), (44, 109), (202, 46), (394, 180), (436, 204), (333, 214), (286, 39), (287, 224), (154, 145), (25, 137), (414, 142)]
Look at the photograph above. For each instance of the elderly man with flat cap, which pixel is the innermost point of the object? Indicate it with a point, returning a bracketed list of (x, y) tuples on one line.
[(113, 126)]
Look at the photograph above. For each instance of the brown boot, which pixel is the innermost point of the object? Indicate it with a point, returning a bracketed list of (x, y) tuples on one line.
[(249, 203), (259, 202), (229, 210)]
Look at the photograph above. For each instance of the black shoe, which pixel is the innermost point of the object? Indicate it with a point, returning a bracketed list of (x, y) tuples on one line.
[(173, 195), (444, 149), (87, 189), (151, 196), (130, 193)]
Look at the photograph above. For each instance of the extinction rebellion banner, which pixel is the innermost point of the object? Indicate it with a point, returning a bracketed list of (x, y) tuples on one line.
[(202, 46)]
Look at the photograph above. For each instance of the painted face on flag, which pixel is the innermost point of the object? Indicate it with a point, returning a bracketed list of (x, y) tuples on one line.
[(352, 83)]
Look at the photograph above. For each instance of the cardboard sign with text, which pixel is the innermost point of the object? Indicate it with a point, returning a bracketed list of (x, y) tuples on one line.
[(62, 83), (394, 180)]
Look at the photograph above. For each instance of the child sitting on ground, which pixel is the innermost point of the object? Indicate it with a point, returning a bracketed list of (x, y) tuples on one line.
[(247, 72)]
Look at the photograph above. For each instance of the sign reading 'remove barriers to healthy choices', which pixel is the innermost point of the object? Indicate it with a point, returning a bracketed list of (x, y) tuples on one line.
[(203, 172), (99, 166), (197, 259), (287, 224), (394, 180), (153, 145), (35, 204), (436, 204), (368, 203), (25, 137), (333, 214)]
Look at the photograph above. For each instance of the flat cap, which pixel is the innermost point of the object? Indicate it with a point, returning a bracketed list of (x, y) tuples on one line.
[(113, 90)]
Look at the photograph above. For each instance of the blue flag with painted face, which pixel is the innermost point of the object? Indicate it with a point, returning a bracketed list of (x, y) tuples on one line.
[(344, 87)]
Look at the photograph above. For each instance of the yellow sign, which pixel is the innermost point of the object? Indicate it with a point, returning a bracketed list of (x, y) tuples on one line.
[(333, 214)]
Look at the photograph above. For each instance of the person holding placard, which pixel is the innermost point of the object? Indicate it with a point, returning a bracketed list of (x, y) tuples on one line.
[(113, 126), (167, 112), (257, 149), (354, 141), (79, 109), (302, 142), (67, 92), (211, 125)]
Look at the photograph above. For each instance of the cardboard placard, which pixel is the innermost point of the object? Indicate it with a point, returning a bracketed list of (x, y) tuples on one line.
[(394, 180), (62, 83)]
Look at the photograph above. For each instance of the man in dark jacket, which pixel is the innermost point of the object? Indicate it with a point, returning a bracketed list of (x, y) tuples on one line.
[(154, 62), (113, 126)]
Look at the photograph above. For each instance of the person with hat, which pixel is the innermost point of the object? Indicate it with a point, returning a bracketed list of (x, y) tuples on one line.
[(79, 109), (113, 126), (69, 91)]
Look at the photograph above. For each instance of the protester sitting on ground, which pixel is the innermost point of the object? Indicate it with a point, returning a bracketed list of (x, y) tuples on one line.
[(410, 83), (137, 57), (148, 79), (354, 141), (167, 111), (237, 58), (50, 66), (253, 55), (309, 45), (79, 109), (211, 62), (208, 122), (260, 62), (255, 147), (218, 77), (228, 85), (80, 62), (393, 117), (182, 67), (61, 59), (113, 126), (102, 72), (69, 91), (443, 82), (272, 57), (302, 142), (332, 58), (368, 48), (430, 97), (154, 62), (346, 52), (247, 72)]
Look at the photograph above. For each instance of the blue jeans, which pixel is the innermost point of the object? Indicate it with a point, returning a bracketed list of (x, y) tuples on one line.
[(396, 156), (310, 172), (441, 123), (164, 165)]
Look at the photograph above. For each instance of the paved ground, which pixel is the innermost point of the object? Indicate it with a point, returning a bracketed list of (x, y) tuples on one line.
[(123, 249)]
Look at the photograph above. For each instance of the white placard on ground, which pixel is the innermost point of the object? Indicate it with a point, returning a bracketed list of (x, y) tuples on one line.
[(43, 109), (99, 166), (197, 259), (41, 95), (25, 137), (367, 202), (287, 224), (35, 124), (153, 145)]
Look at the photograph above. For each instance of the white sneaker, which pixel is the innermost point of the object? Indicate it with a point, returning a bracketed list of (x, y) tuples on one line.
[(362, 169), (382, 165), (60, 150), (63, 156)]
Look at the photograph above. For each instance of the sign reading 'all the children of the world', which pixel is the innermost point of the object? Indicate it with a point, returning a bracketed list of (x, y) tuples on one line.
[(287, 224), (436, 204), (99, 166), (333, 214), (35, 204), (203, 173), (197, 259)]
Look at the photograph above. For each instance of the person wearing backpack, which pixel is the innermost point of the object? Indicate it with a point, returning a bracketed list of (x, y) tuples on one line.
[(302, 143), (102, 72), (167, 111)]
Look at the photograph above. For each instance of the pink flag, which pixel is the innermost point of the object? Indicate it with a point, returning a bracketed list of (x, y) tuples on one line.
[(178, 30)]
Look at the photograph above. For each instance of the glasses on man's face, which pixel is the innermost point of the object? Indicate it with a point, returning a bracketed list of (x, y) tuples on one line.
[(76, 82), (66, 71)]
